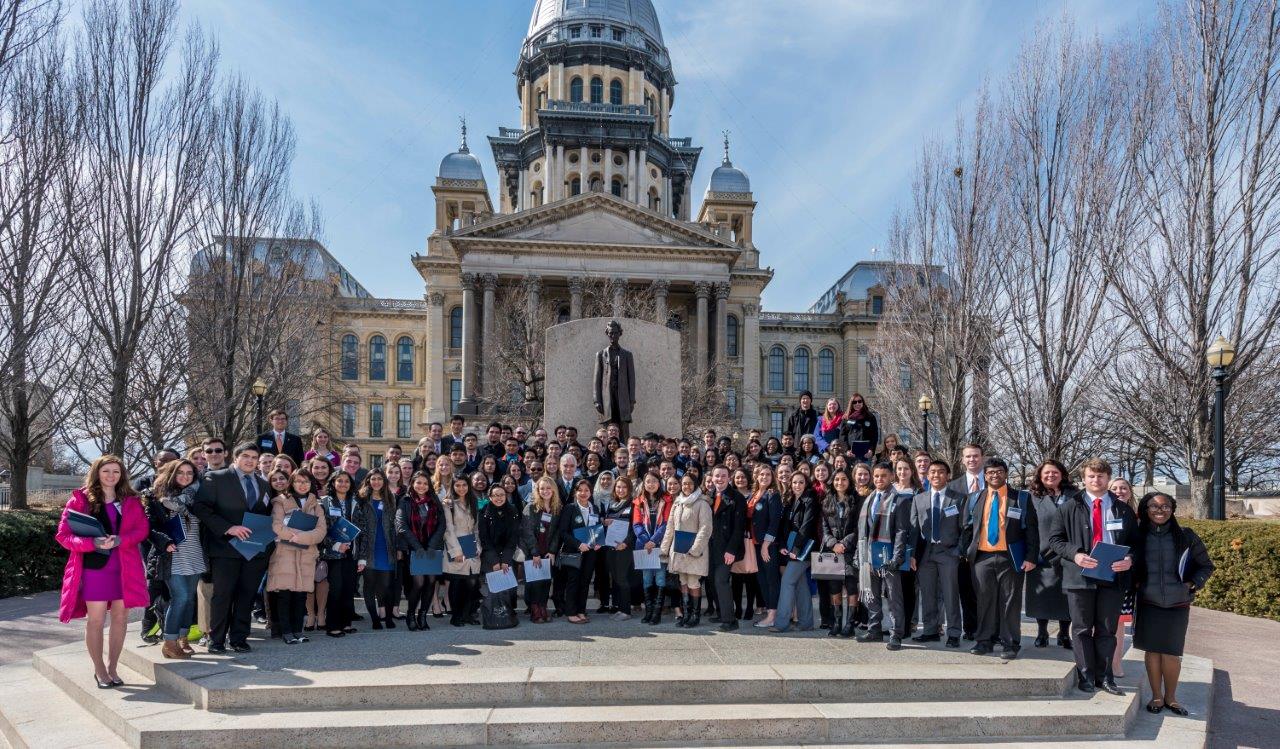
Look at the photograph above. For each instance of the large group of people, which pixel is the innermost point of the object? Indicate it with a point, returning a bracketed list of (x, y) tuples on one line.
[(894, 546)]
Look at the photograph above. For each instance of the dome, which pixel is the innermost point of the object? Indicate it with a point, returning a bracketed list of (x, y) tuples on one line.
[(635, 14), (461, 164), (727, 177)]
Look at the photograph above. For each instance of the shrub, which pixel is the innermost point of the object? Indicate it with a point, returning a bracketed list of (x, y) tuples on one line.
[(1246, 555), (31, 560)]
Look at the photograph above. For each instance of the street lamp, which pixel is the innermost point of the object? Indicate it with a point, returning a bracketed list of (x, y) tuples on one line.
[(1220, 355), (259, 390), (926, 405)]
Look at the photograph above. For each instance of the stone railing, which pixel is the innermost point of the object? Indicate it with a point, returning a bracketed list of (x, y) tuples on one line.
[(796, 317), (512, 133), (408, 305), (601, 108)]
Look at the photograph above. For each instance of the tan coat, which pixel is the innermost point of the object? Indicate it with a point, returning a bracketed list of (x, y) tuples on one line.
[(692, 514), (292, 568), (458, 522)]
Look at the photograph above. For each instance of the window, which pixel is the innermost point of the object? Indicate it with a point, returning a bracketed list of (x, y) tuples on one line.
[(731, 400), (378, 358), (376, 460), (800, 370), (455, 395), (775, 423), (404, 359), (455, 327), (731, 337), (777, 369), (877, 305), (904, 378), (575, 89), (350, 361), (597, 32), (616, 187), (404, 421), (615, 92), (375, 419), (618, 34), (597, 90), (575, 186), (348, 420), (827, 370), (575, 32)]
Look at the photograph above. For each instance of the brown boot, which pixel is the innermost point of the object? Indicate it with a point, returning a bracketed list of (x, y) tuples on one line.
[(171, 649), (186, 646)]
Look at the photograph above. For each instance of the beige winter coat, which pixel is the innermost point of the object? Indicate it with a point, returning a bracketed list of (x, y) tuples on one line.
[(689, 513), (292, 568), (459, 522)]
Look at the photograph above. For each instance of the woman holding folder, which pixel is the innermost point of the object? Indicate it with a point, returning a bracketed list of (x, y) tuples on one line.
[(419, 529), (764, 518), (178, 561), (649, 516), (800, 531), (617, 553), (539, 536), (685, 547), (340, 503), (579, 542), (462, 551), (499, 533), (298, 522), (104, 573)]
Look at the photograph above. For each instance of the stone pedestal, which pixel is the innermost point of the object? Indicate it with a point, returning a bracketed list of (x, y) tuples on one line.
[(570, 366)]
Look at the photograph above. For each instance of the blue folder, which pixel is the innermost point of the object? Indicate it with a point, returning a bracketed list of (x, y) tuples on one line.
[(174, 530), (882, 552), (798, 554), (343, 531), (468, 545), (589, 536), (85, 526), (426, 563), (684, 541), (261, 535), (1106, 554)]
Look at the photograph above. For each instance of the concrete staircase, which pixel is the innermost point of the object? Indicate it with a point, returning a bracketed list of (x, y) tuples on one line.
[(210, 702)]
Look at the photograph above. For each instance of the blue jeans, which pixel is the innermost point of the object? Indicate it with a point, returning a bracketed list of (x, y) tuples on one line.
[(182, 605), (794, 593), (656, 577)]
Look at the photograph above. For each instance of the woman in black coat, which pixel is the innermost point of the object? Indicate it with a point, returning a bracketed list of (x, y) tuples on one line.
[(499, 531), (578, 558), (618, 558), (419, 529), (861, 430), (801, 529), (764, 519)]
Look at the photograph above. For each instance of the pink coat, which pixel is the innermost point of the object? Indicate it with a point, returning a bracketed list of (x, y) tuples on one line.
[(134, 529)]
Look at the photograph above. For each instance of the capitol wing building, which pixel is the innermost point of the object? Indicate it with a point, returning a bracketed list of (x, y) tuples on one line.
[(593, 188)]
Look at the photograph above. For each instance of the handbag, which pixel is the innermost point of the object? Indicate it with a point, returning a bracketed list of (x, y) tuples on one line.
[(747, 565), (827, 566), (570, 559), (497, 612), (322, 571)]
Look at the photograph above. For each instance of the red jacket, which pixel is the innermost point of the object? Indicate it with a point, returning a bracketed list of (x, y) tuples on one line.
[(640, 520)]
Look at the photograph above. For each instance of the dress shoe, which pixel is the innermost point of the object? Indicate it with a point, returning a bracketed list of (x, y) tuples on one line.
[(1008, 653), (171, 649), (1109, 686), (895, 643), (1042, 640), (290, 640), (216, 649), (422, 621), (729, 626), (241, 647), (150, 639), (1084, 684), (847, 630), (871, 636), (411, 623), (953, 642), (390, 623), (116, 681), (103, 683), (927, 638), (377, 624), (336, 633), (968, 637), (186, 646), (1065, 641), (981, 648)]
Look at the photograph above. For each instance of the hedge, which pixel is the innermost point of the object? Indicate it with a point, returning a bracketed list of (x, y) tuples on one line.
[(30, 559), (1246, 554)]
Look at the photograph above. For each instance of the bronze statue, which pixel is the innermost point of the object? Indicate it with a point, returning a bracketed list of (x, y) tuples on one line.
[(615, 381)]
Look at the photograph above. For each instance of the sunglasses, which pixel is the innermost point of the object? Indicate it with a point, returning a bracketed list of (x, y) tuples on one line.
[(214, 451), (856, 402)]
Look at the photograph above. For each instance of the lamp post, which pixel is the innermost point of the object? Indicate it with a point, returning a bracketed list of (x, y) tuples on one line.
[(259, 391), (926, 405), (1220, 355)]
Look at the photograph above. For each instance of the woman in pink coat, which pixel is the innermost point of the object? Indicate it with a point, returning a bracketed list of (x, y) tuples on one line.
[(104, 574)]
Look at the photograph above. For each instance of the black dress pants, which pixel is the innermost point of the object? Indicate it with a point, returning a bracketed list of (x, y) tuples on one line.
[(235, 583), (1095, 618), (578, 583), (619, 566), (968, 599), (999, 599), (342, 593), (721, 577)]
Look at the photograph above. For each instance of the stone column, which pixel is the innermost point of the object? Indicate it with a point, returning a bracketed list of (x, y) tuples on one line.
[(608, 169), (632, 180), (521, 189), (468, 402), (619, 296), (489, 284), (660, 288), (584, 170), (642, 177), (575, 298), (702, 290), (557, 190), (722, 322), (433, 368), (749, 350)]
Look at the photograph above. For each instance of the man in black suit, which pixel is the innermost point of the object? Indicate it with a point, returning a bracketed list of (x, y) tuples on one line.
[(456, 424), (221, 503), (728, 524), (1092, 517), (968, 482), (938, 517), (280, 441), (1000, 541)]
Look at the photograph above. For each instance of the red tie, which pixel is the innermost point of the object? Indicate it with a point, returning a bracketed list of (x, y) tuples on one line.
[(1097, 520)]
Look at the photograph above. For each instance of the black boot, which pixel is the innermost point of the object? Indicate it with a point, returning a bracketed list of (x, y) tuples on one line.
[(836, 624), (846, 630), (685, 613), (695, 605), (657, 607), (411, 621), (648, 606)]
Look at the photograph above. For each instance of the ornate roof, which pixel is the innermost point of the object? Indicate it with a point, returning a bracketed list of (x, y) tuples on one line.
[(727, 177), (635, 14), (461, 164)]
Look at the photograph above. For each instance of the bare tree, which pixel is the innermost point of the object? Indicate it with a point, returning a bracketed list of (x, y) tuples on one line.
[(146, 134)]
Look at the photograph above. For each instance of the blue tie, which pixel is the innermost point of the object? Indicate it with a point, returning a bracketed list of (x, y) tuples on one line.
[(936, 519), (993, 520), (250, 493)]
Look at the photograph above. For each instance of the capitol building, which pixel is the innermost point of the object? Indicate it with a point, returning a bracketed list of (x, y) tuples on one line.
[(594, 189)]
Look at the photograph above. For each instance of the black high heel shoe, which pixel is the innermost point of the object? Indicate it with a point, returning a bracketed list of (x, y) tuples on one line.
[(103, 684)]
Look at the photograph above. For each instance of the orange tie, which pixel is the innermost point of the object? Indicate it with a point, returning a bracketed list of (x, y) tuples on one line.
[(716, 507), (279, 446)]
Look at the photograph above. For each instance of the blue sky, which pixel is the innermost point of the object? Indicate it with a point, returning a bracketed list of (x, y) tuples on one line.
[(828, 102)]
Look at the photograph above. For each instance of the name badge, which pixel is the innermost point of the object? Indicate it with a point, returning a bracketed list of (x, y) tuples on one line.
[(335, 512), (593, 520), (1015, 513), (546, 517), (759, 506), (1115, 525), (950, 511), (268, 443)]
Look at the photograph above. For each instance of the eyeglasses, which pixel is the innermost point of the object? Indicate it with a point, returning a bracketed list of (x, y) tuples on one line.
[(1159, 508), (214, 451)]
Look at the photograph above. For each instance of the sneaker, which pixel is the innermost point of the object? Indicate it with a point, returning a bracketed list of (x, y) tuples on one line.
[(620, 617)]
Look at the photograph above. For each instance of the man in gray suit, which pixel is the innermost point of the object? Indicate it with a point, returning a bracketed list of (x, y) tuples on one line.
[(938, 517), (884, 523), (615, 382)]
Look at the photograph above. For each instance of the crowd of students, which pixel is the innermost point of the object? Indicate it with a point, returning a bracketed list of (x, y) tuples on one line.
[(892, 543)]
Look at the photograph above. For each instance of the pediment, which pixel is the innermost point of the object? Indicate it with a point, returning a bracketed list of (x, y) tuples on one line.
[(595, 219)]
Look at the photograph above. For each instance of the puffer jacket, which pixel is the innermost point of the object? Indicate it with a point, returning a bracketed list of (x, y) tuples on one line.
[(294, 567), (690, 513)]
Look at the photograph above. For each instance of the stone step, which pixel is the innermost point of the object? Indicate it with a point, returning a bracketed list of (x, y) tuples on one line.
[(36, 714), (150, 717), (223, 683)]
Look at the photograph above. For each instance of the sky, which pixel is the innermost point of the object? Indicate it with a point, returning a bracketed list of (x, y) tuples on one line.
[(827, 103)]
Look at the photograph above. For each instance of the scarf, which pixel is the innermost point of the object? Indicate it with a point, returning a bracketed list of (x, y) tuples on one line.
[(423, 527), (833, 423)]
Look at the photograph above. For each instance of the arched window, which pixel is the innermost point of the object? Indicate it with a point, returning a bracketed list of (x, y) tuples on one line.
[(777, 369), (349, 359), (404, 359), (597, 90), (616, 187), (575, 89), (575, 186), (800, 370), (731, 336), (615, 91), (455, 327), (377, 358), (827, 371)]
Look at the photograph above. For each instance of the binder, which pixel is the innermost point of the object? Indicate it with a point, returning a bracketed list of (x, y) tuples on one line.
[(468, 545), (683, 541), (426, 563)]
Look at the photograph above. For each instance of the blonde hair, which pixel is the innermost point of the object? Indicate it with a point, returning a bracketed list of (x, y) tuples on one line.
[(536, 496)]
